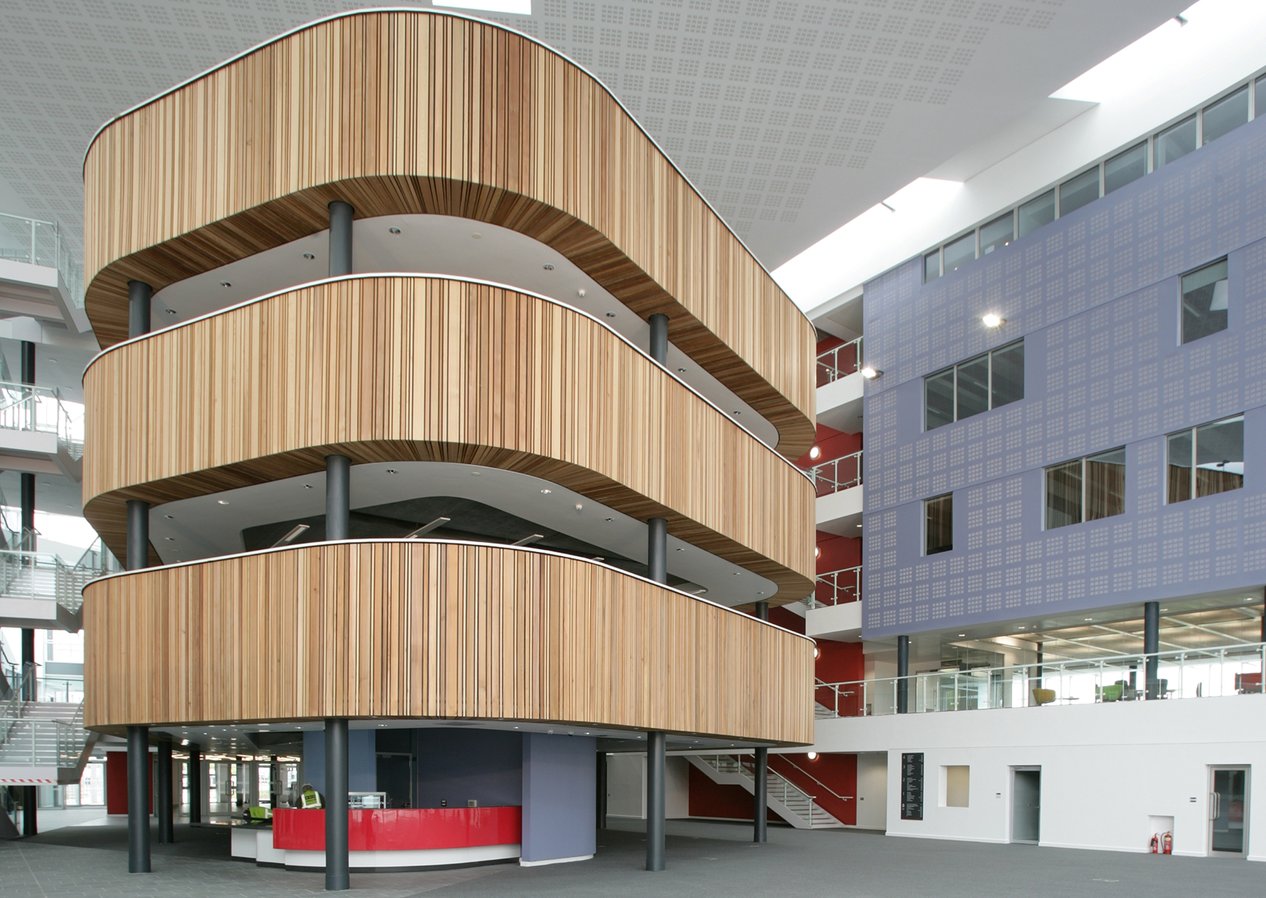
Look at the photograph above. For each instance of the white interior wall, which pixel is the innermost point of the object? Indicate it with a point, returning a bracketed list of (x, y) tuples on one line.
[(676, 788), (1106, 769)]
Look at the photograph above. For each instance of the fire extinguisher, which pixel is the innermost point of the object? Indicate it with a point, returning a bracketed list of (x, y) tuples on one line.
[(1168, 842), (1155, 843)]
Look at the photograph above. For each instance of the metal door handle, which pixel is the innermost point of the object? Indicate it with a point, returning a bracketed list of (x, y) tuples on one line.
[(1216, 805)]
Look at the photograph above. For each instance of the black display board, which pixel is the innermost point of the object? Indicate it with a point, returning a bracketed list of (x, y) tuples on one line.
[(912, 785)]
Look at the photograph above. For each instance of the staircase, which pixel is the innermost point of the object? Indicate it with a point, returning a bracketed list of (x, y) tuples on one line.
[(43, 743), (40, 591), (785, 798)]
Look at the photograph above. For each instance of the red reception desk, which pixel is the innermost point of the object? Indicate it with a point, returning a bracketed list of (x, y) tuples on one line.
[(383, 838)]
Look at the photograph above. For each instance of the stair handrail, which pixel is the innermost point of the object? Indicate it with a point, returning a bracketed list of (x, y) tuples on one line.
[(814, 778), (14, 707), (743, 757)]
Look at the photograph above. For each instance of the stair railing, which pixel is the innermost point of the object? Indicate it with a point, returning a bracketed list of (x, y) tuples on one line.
[(11, 710), (819, 782)]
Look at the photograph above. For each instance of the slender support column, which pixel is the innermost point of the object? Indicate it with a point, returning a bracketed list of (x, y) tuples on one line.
[(137, 534), (341, 215), (338, 476), (139, 295), (657, 549), (194, 775), (659, 338), (1151, 645), (138, 800), (656, 744), (601, 803), (162, 794), (336, 858), (760, 809), (762, 611), (903, 671)]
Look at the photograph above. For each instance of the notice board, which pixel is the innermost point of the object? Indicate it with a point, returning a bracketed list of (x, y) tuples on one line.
[(912, 785)]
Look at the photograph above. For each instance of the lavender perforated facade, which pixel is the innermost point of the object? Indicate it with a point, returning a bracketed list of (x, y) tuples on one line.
[(1095, 296)]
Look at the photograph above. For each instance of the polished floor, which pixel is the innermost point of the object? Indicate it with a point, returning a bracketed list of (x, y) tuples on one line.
[(704, 860)]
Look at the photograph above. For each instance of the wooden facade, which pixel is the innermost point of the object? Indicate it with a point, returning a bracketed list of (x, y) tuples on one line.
[(400, 368), (415, 629), (412, 112)]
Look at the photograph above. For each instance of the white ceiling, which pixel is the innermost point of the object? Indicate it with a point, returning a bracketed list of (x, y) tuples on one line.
[(791, 116)]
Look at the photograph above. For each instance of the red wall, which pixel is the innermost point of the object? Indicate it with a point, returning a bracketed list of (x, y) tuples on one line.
[(837, 552), (833, 444), (709, 799), (116, 783), (838, 772)]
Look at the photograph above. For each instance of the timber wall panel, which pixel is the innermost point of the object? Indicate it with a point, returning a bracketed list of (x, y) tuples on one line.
[(416, 629), (413, 112), (401, 368)]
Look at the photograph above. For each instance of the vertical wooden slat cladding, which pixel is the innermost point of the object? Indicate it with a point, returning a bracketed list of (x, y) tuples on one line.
[(447, 630), (399, 368), (412, 112)]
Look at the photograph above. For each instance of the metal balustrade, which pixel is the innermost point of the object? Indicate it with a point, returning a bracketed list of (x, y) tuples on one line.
[(837, 474), (839, 361), (837, 588), (36, 409), (41, 575), (37, 242), (1180, 674)]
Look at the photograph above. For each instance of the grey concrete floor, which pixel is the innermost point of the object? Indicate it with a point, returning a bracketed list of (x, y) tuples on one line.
[(703, 860)]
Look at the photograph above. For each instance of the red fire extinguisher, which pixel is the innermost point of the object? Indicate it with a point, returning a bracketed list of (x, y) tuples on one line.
[(1168, 842), (1155, 843)]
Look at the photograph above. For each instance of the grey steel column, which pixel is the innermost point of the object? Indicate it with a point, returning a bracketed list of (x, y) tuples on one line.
[(338, 475), (336, 859), (341, 215), (137, 534), (656, 745), (139, 295), (762, 611), (601, 803), (657, 549), (1151, 645), (26, 540), (760, 811), (194, 775), (138, 799), (162, 794), (659, 338), (903, 671)]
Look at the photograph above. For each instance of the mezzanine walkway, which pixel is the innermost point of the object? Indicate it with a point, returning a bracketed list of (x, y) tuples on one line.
[(704, 859)]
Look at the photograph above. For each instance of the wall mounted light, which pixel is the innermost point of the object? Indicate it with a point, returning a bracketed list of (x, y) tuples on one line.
[(813, 756), (992, 319), (870, 373), (815, 453)]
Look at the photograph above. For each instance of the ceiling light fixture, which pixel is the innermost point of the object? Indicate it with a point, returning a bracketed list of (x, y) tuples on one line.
[(610, 314), (546, 492), (171, 312), (292, 534), (548, 266), (813, 756), (392, 471), (427, 528), (225, 284), (817, 551), (681, 370), (309, 256), (870, 372), (393, 231), (815, 453), (221, 501), (992, 319), (535, 537)]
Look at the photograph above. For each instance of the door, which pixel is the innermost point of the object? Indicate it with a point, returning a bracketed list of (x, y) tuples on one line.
[(1228, 811), (395, 777), (1026, 804)]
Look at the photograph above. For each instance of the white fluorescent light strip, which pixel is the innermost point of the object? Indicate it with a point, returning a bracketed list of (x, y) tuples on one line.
[(292, 535), (513, 7), (427, 528), (535, 537)]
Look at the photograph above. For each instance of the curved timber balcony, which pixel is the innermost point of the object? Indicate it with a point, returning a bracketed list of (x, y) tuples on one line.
[(406, 111), (423, 629), (425, 368)]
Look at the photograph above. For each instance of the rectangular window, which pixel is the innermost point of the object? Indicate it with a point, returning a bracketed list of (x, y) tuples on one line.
[(997, 233), (938, 515), (976, 385), (932, 266), (1036, 212), (1225, 115), (1204, 301), (1123, 168), (1205, 460), (939, 399), (1175, 141), (960, 252), (1077, 192), (1085, 489), (1259, 104)]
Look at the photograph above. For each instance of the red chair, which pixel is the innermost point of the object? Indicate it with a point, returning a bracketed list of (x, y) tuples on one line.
[(1248, 683)]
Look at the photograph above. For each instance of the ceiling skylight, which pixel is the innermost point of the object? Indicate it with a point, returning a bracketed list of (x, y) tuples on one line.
[(1177, 42), (513, 7)]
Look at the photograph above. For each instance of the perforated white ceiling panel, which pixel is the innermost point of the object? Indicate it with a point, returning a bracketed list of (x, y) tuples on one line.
[(790, 116)]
